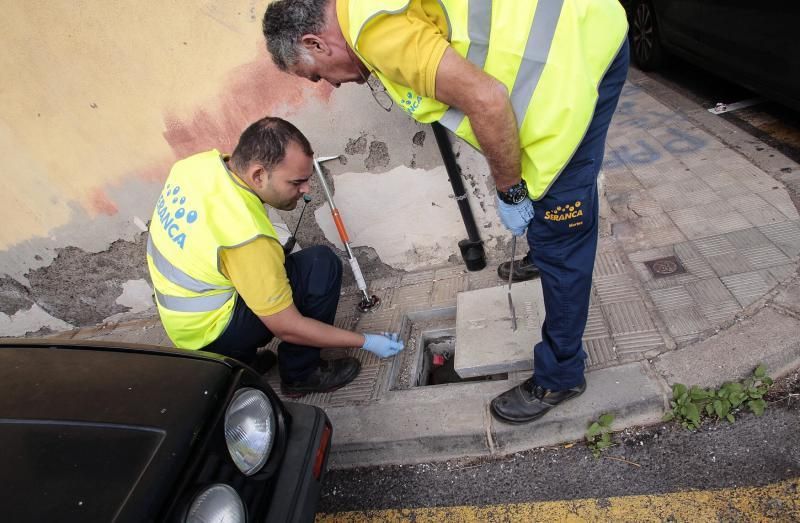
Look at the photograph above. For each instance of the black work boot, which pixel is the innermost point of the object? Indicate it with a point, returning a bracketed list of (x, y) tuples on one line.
[(329, 376), (524, 269), (528, 402)]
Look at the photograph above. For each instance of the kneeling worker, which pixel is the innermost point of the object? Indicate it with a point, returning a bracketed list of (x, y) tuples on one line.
[(222, 282)]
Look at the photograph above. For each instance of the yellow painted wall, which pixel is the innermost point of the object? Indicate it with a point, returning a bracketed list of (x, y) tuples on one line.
[(98, 93)]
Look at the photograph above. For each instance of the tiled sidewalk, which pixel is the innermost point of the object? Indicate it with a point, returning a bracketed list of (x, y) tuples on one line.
[(672, 190)]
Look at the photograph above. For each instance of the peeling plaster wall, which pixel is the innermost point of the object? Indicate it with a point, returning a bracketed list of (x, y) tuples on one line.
[(105, 96)]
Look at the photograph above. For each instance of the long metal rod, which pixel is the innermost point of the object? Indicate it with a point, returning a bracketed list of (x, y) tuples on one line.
[(510, 275)]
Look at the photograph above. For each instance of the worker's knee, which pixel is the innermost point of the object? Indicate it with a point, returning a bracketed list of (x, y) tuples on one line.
[(326, 266)]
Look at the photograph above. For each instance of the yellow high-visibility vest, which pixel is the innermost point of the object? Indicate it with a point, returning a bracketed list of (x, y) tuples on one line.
[(550, 54), (202, 209)]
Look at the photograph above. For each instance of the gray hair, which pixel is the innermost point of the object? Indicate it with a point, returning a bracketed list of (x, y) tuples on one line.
[(285, 22)]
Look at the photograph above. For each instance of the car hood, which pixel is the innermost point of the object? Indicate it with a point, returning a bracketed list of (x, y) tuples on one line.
[(93, 434)]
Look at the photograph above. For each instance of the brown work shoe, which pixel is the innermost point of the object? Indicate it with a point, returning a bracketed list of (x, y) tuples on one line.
[(329, 376)]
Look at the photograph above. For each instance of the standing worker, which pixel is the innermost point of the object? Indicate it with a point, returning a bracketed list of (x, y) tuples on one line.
[(222, 283), (533, 85)]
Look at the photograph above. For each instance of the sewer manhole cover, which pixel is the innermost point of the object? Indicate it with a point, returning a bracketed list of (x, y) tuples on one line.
[(663, 267)]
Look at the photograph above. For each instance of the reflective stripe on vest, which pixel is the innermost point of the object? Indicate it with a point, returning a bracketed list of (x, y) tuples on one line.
[(205, 303), (177, 276), (480, 29), (537, 48)]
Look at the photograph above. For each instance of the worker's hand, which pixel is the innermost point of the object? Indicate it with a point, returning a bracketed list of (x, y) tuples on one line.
[(383, 345), (515, 217)]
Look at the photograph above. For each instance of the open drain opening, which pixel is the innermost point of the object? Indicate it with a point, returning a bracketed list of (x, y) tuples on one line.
[(437, 363)]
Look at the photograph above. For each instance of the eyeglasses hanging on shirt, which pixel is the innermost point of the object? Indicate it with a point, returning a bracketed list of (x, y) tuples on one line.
[(379, 93)]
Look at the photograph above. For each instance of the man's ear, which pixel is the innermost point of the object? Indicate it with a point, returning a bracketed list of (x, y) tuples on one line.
[(314, 44), (257, 175)]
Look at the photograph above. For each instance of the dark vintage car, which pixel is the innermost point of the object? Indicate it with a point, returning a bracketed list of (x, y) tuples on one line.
[(752, 43), (98, 432)]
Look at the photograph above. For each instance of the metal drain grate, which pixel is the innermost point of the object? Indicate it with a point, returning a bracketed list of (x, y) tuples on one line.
[(663, 267)]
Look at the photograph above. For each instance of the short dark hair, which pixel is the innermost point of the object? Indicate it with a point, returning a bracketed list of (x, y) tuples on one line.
[(285, 22), (265, 141)]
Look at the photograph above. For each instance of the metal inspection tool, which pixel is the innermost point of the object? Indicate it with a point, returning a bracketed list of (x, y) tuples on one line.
[(367, 303), (510, 276)]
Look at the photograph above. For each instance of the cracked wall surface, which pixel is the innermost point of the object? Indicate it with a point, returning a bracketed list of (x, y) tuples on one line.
[(98, 113)]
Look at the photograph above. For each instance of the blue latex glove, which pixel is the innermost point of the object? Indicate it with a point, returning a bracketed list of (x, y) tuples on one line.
[(515, 217), (383, 345)]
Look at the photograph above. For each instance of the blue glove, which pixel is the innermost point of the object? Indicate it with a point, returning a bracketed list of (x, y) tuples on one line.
[(383, 345), (515, 217)]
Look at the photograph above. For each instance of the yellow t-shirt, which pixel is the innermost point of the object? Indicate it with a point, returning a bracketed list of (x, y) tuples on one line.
[(257, 272), (406, 47)]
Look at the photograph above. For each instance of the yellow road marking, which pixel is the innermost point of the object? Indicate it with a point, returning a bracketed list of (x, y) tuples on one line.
[(776, 502)]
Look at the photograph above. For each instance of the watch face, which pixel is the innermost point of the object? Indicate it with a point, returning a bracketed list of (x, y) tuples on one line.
[(517, 197)]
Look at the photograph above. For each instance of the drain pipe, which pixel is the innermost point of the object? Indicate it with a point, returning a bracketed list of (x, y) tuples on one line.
[(472, 248)]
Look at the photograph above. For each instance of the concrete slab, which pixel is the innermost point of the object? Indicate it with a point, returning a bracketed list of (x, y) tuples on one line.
[(768, 337), (485, 343)]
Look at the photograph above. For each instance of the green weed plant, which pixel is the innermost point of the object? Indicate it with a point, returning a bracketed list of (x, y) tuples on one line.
[(598, 435), (691, 405)]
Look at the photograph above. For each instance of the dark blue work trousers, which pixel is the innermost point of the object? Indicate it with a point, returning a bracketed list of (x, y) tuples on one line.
[(563, 239), (315, 275)]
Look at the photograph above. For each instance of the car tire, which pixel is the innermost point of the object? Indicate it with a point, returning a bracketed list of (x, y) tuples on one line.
[(646, 48)]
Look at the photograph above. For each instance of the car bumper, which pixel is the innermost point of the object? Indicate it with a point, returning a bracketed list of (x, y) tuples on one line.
[(298, 487)]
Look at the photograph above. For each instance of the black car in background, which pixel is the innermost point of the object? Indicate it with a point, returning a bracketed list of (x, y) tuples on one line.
[(98, 432), (755, 44)]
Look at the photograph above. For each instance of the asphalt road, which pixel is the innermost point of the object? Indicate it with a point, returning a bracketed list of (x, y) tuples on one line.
[(753, 451)]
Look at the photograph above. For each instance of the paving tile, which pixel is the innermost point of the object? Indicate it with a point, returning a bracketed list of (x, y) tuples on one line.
[(595, 324), (752, 177), (782, 201), (731, 190), (414, 296), (747, 287), (714, 246), (616, 288), (600, 351), (782, 273), (785, 235), (746, 239), (445, 290), (643, 204), (620, 178), (449, 272), (637, 342), (756, 210), (685, 321), (764, 256), (628, 317), (708, 220), (609, 263), (671, 298), (728, 264), (715, 301), (481, 279)]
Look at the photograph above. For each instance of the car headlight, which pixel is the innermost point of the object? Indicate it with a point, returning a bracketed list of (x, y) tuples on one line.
[(249, 429), (217, 503)]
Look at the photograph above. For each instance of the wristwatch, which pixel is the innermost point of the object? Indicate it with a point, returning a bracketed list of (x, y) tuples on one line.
[(514, 194)]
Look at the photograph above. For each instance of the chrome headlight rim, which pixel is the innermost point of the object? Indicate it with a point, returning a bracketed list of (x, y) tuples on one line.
[(224, 494), (250, 460)]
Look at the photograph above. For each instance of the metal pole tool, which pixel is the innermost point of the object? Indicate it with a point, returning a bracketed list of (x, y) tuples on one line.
[(367, 302), (510, 276)]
